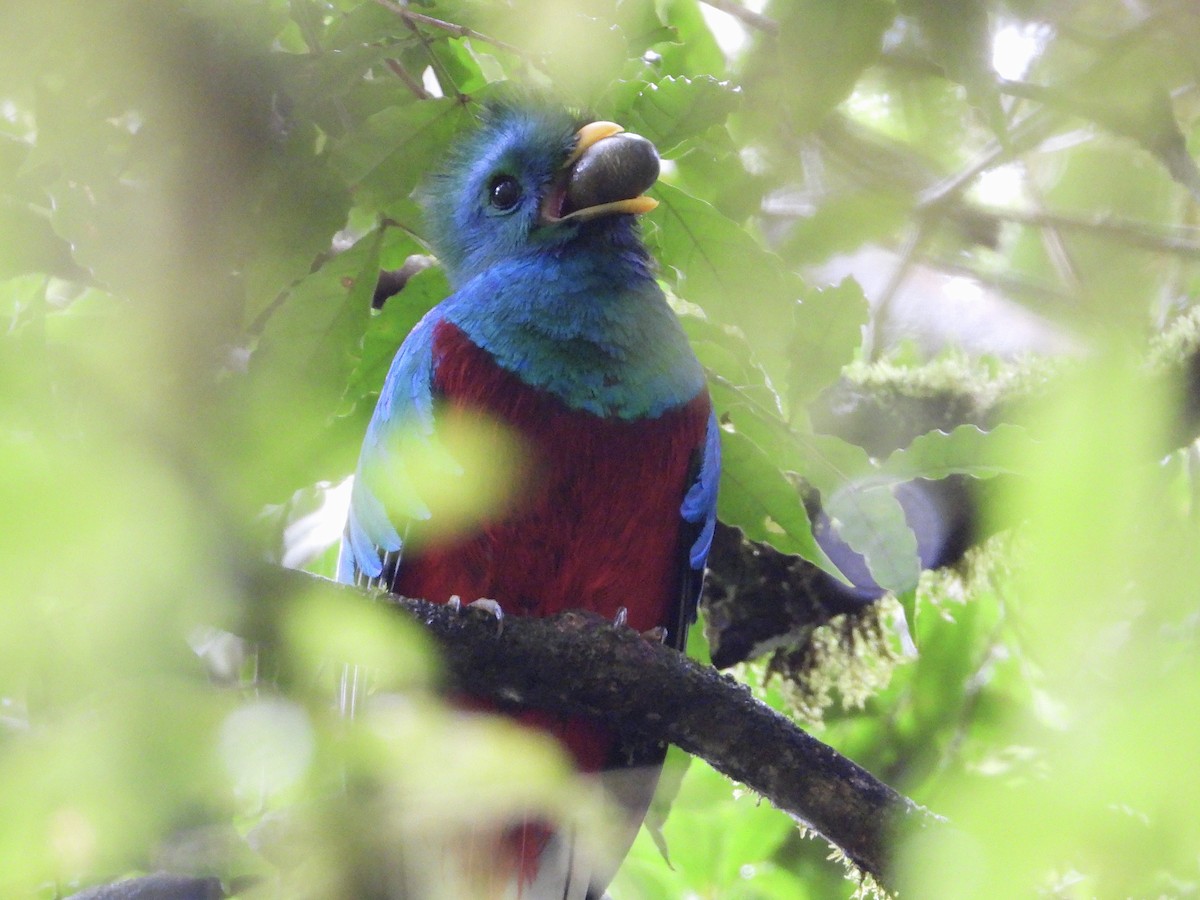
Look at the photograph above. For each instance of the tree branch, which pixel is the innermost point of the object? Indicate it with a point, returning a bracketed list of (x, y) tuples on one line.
[(414, 87), (1183, 242), (580, 664), (462, 31)]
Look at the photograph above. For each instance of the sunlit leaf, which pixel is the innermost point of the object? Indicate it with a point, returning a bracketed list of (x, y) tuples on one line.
[(821, 50)]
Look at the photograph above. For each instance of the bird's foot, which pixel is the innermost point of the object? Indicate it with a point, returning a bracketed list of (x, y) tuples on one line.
[(655, 635), (486, 604)]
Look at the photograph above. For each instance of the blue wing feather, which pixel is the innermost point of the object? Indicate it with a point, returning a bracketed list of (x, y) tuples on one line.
[(700, 502), (405, 402), (699, 514)]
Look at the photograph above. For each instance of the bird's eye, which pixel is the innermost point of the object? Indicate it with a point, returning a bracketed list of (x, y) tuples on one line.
[(504, 192)]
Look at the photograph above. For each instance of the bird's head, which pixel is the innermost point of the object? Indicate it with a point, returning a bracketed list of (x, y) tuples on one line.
[(532, 178)]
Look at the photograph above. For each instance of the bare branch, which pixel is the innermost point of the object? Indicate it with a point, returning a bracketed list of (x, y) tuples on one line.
[(913, 243), (462, 31), (1183, 242), (415, 87)]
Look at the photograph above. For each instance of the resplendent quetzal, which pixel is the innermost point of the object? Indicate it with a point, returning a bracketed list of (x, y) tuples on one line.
[(557, 333)]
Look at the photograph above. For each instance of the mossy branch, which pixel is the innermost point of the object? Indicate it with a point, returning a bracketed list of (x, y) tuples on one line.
[(577, 663)]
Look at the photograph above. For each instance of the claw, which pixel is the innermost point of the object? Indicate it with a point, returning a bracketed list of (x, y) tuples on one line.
[(492, 607), (455, 603), (621, 617), (655, 635)]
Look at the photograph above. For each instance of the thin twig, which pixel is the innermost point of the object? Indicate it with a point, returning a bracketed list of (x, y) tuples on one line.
[(1027, 133), (1183, 242), (1004, 282), (1024, 135), (462, 31), (747, 17), (883, 306), (415, 87), (1056, 248), (444, 78)]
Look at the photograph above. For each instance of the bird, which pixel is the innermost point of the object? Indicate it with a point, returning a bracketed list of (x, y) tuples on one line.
[(557, 338)]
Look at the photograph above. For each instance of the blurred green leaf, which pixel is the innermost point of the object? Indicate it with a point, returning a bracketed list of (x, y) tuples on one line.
[(960, 42), (297, 376), (311, 339), (843, 224), (390, 152), (822, 48), (694, 51), (392, 652)]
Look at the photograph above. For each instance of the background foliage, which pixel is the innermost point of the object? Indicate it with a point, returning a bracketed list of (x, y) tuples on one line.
[(195, 200)]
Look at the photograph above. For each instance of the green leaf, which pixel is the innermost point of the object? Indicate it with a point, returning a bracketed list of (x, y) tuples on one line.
[(710, 166), (967, 450), (641, 24), (821, 51), (908, 603), (843, 224), (365, 24), (960, 41), (873, 526), (694, 51), (458, 68), (756, 497), (309, 346), (30, 244), (854, 494), (726, 355), (828, 462), (301, 204), (577, 48), (829, 325), (722, 269), (390, 326), (869, 518), (860, 504), (388, 154), (670, 111)]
